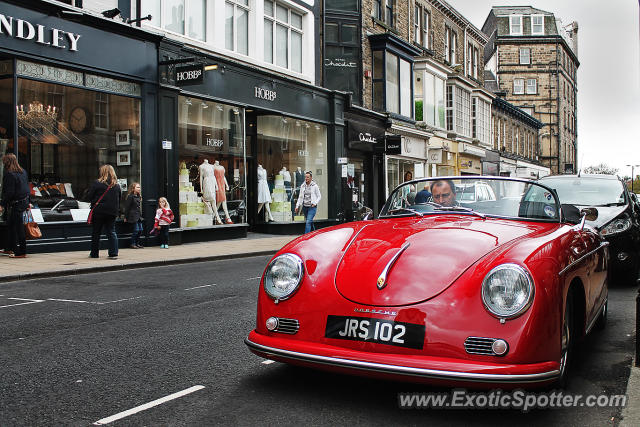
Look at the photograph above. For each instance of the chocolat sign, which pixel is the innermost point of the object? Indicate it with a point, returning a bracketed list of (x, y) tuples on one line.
[(25, 30), (189, 74)]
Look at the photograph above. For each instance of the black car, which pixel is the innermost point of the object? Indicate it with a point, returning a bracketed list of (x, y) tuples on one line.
[(618, 216)]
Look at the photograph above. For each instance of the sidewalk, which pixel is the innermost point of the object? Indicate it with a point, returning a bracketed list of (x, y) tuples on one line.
[(69, 263)]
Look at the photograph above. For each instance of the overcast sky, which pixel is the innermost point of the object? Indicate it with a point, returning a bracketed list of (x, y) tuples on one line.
[(608, 78)]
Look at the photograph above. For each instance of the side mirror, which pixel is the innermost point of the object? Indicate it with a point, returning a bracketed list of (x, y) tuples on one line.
[(591, 214), (367, 216)]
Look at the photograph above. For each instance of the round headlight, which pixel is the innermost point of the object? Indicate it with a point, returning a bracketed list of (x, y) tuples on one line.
[(507, 291), (283, 276)]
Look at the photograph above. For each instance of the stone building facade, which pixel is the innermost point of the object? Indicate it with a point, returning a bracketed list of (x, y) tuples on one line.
[(534, 59)]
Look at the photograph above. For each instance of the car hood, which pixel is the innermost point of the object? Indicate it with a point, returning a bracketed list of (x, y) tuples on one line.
[(439, 250), (605, 215)]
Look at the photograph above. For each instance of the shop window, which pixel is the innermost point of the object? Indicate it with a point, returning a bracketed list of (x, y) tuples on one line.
[(450, 45), (433, 100), (515, 25), (101, 113), (62, 145), (394, 81), (287, 148), (6, 116), (282, 36), (236, 26), (342, 63), (383, 11), (422, 22), (400, 170), (343, 5), (186, 17), (212, 178)]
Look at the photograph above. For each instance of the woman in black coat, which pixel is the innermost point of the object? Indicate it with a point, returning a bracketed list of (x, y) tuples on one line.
[(104, 195), (15, 201)]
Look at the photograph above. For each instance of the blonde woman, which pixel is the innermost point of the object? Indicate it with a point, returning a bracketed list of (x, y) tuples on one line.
[(104, 195)]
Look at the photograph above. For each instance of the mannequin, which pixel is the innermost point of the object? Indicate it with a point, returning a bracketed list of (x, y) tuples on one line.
[(286, 175), (264, 197), (209, 187), (299, 177), (223, 187)]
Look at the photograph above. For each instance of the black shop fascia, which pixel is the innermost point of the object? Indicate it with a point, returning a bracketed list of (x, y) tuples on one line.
[(76, 91), (263, 129)]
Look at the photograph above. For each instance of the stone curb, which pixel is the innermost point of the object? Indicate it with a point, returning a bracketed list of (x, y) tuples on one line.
[(130, 266)]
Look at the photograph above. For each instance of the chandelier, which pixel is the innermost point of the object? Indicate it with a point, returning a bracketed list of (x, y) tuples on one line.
[(38, 117)]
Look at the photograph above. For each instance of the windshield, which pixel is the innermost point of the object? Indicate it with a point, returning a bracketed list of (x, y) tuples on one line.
[(585, 191), (474, 195)]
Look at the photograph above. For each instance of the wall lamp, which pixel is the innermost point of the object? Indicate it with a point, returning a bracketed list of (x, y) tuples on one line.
[(133, 21), (211, 67)]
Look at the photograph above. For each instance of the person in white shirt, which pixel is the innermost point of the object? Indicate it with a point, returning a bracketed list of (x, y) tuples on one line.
[(308, 200)]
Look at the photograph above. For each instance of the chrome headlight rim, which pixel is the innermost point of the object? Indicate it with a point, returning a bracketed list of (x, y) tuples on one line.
[(530, 285), (627, 225), (300, 272)]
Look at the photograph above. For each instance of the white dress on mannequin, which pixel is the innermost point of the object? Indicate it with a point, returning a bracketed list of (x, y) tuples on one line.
[(263, 186), (208, 184)]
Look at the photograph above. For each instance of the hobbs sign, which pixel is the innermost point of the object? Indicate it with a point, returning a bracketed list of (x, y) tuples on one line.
[(269, 95), (189, 74)]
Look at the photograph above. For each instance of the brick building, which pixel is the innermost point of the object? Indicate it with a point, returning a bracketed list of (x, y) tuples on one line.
[(414, 70), (535, 60)]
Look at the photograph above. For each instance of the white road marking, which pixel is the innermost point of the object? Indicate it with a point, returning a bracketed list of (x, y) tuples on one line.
[(198, 287), (268, 362), (254, 278), (118, 300), (30, 301), (69, 300), (147, 405)]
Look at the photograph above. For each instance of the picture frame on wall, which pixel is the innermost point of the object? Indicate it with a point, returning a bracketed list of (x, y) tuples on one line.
[(123, 137), (123, 158)]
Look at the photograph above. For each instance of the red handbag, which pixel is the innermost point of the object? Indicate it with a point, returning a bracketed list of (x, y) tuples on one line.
[(90, 217)]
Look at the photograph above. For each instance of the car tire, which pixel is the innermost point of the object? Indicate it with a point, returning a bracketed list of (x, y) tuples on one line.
[(601, 323), (566, 342)]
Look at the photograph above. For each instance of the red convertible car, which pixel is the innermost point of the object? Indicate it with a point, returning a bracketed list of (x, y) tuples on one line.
[(490, 293)]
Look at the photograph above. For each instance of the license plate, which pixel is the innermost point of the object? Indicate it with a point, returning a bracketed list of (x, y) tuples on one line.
[(380, 331)]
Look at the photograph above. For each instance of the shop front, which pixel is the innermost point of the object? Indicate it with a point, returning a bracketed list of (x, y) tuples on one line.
[(361, 171), (245, 139), (443, 157), (66, 108), (409, 162), (470, 159)]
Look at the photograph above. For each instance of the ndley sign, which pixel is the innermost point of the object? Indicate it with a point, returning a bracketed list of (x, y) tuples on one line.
[(25, 30), (189, 74)]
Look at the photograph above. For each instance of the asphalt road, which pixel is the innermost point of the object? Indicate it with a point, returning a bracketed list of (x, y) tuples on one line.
[(75, 350)]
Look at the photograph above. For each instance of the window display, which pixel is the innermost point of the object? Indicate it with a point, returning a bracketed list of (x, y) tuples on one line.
[(212, 164), (63, 139), (287, 148)]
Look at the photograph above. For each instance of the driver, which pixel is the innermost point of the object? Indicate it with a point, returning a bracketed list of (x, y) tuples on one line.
[(443, 192)]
